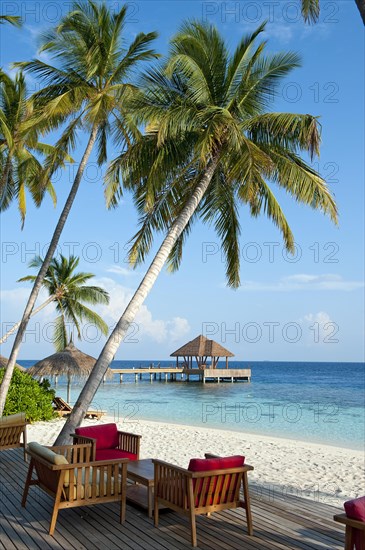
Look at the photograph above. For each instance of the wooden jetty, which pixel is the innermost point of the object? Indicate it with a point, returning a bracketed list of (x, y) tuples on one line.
[(281, 522), (199, 351), (180, 373)]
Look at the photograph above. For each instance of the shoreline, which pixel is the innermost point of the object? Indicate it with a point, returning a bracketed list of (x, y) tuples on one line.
[(322, 473), (267, 436)]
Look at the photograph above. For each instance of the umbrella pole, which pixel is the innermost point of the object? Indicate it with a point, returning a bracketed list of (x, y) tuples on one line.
[(68, 390)]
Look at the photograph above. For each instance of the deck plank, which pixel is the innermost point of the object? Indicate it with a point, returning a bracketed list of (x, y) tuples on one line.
[(280, 522)]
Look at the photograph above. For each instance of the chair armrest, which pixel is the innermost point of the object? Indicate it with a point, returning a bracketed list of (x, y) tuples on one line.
[(129, 442), (81, 439), (357, 524)]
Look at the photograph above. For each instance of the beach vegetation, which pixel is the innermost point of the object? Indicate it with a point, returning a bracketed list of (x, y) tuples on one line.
[(30, 396)]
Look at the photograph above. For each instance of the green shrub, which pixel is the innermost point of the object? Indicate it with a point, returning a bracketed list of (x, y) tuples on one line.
[(30, 396)]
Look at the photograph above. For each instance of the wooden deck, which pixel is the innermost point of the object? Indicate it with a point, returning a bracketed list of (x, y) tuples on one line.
[(171, 373), (288, 523)]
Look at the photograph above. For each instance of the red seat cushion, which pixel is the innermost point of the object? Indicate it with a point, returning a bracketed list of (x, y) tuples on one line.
[(206, 464), (110, 454), (355, 509), (106, 435)]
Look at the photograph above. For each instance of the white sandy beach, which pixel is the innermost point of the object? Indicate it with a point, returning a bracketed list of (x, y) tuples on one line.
[(319, 472)]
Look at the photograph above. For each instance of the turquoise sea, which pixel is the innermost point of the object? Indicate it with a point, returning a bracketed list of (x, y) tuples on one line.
[(318, 402)]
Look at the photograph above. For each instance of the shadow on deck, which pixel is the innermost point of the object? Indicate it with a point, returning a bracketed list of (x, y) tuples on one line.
[(288, 523)]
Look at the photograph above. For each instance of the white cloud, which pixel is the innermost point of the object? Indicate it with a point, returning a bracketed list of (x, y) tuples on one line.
[(281, 31), (178, 327), (303, 281), (145, 324), (319, 328), (125, 271)]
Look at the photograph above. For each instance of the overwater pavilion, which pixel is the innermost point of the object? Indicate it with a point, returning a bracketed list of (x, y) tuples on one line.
[(201, 349)]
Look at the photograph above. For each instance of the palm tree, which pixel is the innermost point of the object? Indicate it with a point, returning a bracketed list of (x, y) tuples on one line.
[(12, 19), (87, 90), (209, 146), (20, 169), (311, 10), (70, 293)]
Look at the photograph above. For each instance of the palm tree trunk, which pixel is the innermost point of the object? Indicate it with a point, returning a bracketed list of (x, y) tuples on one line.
[(36, 310), (116, 337), (42, 272), (361, 5)]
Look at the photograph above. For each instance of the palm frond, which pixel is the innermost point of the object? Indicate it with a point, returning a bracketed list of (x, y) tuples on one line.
[(310, 10)]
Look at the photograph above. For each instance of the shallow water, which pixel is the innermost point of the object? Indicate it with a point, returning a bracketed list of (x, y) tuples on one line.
[(318, 402)]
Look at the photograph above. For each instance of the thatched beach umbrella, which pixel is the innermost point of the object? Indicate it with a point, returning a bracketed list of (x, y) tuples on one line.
[(201, 348), (4, 362), (70, 362)]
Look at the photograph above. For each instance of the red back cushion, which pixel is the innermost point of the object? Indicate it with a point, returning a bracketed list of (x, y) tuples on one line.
[(207, 464), (355, 509), (106, 435)]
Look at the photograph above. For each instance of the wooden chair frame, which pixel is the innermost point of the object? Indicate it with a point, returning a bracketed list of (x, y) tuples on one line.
[(352, 525), (89, 482), (174, 487), (10, 435), (127, 442)]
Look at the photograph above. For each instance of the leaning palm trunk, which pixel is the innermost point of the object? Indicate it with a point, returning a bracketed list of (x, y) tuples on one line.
[(116, 337), (42, 272), (361, 5), (36, 310)]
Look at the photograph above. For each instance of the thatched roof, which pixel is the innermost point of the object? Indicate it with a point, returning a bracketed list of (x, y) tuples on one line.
[(70, 362), (202, 347), (4, 362)]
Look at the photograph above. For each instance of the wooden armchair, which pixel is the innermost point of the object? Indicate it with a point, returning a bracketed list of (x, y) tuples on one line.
[(354, 519), (13, 428), (208, 485), (67, 474), (108, 442)]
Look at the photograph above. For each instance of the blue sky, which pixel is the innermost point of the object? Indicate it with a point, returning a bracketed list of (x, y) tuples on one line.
[(303, 308)]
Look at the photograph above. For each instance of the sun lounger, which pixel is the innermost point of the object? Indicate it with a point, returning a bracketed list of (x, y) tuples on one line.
[(62, 408)]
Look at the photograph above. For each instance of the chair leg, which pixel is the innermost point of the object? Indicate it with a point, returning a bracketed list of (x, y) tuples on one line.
[(246, 495), (27, 483), (53, 518), (156, 515), (122, 508), (25, 444), (194, 541), (349, 540)]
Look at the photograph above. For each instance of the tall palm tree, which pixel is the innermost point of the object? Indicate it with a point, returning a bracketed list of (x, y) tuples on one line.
[(311, 10), (210, 146), (20, 149), (69, 291), (12, 19), (87, 90)]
